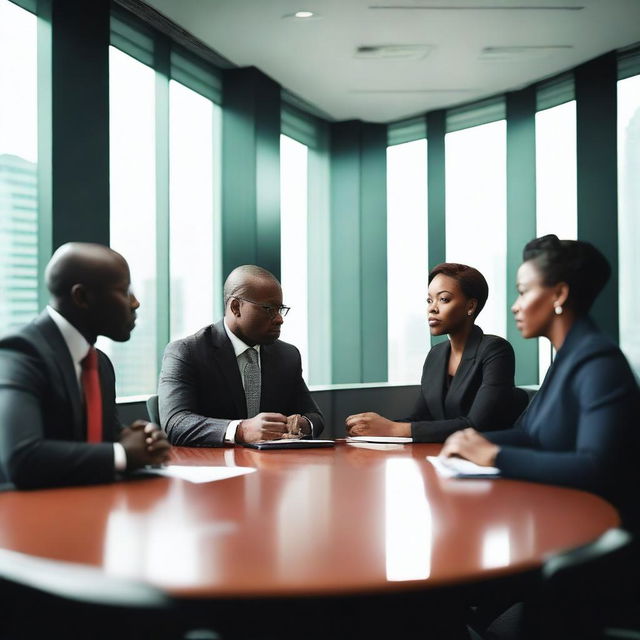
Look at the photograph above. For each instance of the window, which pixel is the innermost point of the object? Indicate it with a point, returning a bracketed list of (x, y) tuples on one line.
[(629, 216), (476, 211), (194, 213), (133, 213), (407, 260), (19, 275), (556, 187), (293, 236)]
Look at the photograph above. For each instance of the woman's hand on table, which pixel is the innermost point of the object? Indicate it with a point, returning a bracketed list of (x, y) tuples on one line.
[(373, 424), (469, 444)]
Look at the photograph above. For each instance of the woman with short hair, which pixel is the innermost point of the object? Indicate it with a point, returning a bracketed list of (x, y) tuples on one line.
[(467, 381)]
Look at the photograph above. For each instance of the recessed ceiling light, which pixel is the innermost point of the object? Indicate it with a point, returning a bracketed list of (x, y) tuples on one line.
[(302, 15)]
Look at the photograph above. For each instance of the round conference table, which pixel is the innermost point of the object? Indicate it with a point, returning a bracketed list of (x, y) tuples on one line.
[(350, 521)]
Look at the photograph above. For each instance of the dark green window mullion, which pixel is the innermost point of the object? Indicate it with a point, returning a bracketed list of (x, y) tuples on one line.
[(597, 162), (45, 231), (436, 192), (521, 215), (373, 252), (162, 65)]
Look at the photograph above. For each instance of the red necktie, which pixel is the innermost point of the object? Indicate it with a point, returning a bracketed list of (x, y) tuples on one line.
[(92, 396)]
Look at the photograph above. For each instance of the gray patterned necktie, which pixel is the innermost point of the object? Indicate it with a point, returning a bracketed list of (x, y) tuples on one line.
[(251, 376)]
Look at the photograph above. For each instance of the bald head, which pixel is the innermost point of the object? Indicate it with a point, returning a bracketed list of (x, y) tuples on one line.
[(92, 265), (253, 301), (90, 286), (243, 278)]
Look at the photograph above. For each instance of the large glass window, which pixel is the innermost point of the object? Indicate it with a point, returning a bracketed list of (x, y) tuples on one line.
[(556, 187), (293, 235), (194, 223), (133, 213), (476, 211), (18, 166), (407, 261), (629, 216)]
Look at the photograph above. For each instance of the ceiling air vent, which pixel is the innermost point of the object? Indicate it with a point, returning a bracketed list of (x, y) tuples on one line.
[(393, 51)]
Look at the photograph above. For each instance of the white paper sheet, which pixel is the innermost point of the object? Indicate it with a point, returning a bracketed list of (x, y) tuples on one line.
[(376, 446), (200, 474), (380, 439), (460, 468)]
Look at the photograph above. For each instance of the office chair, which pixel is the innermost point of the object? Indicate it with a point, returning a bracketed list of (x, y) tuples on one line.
[(587, 593), (521, 400), (152, 409), (49, 599)]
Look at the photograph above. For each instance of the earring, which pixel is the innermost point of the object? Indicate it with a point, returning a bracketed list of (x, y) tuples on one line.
[(469, 313), (558, 309)]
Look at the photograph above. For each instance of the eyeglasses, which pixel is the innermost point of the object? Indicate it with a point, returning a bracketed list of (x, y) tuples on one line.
[(270, 309)]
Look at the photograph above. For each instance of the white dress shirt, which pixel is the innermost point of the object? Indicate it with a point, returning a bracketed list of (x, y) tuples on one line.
[(78, 349)]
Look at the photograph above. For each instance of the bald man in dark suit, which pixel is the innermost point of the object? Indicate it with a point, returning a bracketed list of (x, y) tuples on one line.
[(235, 381), (58, 419)]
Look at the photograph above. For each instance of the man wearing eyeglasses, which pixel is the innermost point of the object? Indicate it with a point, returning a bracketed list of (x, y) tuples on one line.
[(235, 381)]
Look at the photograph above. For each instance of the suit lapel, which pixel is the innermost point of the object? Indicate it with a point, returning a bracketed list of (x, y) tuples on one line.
[(434, 390), (576, 333), (57, 353), (227, 365), (466, 366)]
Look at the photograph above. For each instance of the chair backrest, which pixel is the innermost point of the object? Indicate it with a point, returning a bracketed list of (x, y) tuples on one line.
[(580, 587), (152, 409), (78, 583), (51, 598), (598, 564), (521, 400)]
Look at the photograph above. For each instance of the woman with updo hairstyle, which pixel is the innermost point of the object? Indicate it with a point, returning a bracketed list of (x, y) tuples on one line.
[(580, 430), (467, 381)]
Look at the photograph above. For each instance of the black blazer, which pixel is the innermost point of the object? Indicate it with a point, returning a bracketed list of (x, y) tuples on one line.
[(42, 420), (200, 389), (482, 394), (581, 427)]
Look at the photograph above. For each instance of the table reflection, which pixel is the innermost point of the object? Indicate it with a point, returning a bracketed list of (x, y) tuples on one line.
[(496, 548), (408, 522)]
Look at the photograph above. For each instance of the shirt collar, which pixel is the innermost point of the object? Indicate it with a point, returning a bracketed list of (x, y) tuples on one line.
[(239, 347), (75, 341)]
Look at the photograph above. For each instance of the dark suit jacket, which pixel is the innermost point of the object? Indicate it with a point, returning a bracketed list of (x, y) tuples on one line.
[(200, 389), (482, 393), (42, 420), (581, 427)]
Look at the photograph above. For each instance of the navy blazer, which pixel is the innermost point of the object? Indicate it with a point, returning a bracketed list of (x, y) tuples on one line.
[(482, 394), (42, 420), (580, 429), (200, 389)]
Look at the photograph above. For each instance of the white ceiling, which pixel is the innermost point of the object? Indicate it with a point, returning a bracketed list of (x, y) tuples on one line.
[(315, 59)]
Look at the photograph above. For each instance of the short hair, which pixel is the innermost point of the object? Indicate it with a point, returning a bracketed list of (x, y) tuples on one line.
[(576, 262), (238, 281), (471, 281)]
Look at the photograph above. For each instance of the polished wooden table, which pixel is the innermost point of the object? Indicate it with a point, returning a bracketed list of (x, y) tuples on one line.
[(315, 522)]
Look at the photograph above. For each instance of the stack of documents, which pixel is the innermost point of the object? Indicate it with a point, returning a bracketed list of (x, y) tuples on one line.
[(461, 468)]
